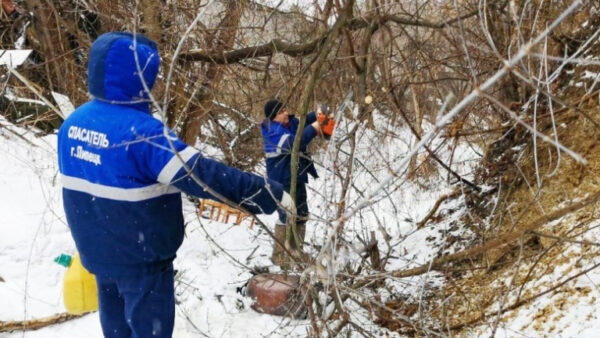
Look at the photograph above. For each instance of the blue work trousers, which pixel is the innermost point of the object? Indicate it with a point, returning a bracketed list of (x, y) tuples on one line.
[(137, 306)]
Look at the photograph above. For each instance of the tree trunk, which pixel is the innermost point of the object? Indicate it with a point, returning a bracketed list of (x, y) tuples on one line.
[(151, 11), (221, 41)]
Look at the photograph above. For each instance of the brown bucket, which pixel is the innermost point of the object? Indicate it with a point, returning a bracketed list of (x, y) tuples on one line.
[(277, 295)]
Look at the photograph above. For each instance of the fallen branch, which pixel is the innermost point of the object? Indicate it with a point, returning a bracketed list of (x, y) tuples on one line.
[(513, 306), (436, 207), (34, 324), (506, 239), (523, 301)]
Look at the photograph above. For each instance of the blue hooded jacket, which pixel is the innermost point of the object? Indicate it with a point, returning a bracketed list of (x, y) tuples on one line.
[(278, 140), (123, 171)]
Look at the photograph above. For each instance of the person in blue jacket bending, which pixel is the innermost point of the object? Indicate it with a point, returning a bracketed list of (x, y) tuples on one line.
[(278, 131), (123, 173)]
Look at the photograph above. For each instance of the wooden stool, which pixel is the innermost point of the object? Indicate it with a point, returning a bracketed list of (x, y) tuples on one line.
[(226, 210), (205, 203)]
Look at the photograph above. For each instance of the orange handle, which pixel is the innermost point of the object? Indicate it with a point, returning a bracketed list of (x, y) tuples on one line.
[(327, 124)]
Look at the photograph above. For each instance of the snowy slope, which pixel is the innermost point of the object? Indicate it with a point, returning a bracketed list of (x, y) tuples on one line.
[(215, 259), (33, 232)]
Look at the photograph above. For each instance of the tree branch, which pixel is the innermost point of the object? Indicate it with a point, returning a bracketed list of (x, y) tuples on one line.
[(273, 47), (500, 241), (293, 49), (34, 324)]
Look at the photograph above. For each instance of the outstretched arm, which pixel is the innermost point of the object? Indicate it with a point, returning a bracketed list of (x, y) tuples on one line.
[(311, 129), (311, 117), (257, 194), (207, 178)]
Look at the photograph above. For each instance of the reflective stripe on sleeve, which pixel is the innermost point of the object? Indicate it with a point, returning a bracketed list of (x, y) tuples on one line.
[(118, 194), (175, 164), (278, 151)]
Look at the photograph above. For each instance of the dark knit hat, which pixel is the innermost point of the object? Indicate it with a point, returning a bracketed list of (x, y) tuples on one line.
[(272, 108)]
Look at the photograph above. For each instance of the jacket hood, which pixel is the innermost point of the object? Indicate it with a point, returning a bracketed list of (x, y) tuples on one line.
[(114, 66)]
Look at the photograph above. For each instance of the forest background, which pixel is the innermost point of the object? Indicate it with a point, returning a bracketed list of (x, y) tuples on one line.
[(459, 193)]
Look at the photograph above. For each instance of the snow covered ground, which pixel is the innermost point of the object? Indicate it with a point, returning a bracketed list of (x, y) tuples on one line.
[(210, 303), (215, 259), (33, 231)]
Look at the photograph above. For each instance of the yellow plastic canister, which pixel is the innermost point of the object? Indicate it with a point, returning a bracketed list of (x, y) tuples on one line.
[(79, 289)]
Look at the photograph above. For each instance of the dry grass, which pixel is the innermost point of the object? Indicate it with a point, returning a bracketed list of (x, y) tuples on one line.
[(520, 271)]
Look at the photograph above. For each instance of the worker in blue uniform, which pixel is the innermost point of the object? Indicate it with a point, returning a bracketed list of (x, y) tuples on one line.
[(123, 172), (278, 131)]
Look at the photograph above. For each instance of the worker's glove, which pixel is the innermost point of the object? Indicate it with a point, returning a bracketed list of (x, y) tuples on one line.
[(326, 121), (288, 204)]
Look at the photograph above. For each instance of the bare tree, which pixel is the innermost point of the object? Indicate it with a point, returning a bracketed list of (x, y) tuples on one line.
[(436, 76)]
